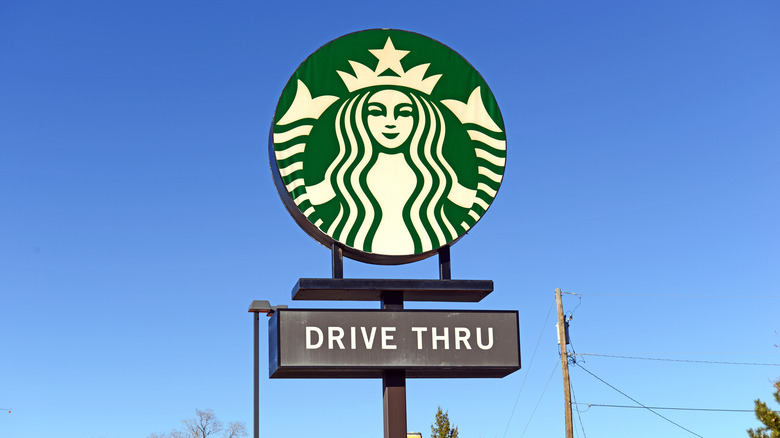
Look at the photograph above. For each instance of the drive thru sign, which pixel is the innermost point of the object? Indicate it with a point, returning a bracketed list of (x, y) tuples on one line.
[(364, 343)]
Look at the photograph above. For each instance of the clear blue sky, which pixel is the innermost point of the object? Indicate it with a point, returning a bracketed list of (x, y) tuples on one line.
[(138, 217)]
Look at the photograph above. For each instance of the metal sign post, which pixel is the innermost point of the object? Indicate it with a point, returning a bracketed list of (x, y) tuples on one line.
[(394, 381)]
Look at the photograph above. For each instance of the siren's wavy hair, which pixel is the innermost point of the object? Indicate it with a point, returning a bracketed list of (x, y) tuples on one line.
[(360, 214)]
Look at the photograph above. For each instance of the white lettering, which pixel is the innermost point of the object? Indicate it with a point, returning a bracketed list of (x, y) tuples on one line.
[(419, 331), (369, 341), (462, 334), (309, 344), (445, 337), (386, 337), (490, 339), (335, 338), (367, 336)]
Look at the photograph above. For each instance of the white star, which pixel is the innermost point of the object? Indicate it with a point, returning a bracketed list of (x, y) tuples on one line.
[(389, 57)]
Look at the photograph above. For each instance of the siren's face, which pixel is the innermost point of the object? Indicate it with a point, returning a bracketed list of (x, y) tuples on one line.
[(390, 118)]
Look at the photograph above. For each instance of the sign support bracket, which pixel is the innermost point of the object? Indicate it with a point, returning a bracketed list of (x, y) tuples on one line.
[(445, 269), (337, 260)]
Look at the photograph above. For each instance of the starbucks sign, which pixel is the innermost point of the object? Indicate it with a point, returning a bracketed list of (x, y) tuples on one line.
[(387, 143)]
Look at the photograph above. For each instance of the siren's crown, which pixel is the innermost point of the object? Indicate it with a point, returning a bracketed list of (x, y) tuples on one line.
[(389, 59)]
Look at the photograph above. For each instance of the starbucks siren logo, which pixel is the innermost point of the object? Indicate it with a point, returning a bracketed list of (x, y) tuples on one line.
[(388, 143)]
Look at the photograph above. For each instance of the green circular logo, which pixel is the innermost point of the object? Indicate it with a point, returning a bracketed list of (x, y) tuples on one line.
[(388, 143)]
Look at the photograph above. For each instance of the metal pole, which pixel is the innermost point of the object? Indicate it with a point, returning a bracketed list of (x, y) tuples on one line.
[(394, 383), (564, 364), (394, 402), (257, 374)]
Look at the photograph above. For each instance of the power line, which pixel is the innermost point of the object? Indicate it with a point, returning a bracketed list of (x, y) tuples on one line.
[(555, 367), (675, 295), (576, 405), (679, 360), (635, 401), (667, 408), (699, 352), (528, 370)]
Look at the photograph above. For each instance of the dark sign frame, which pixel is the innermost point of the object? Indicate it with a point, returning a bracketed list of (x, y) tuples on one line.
[(410, 338)]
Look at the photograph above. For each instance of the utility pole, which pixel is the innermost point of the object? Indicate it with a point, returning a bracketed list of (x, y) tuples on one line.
[(562, 342)]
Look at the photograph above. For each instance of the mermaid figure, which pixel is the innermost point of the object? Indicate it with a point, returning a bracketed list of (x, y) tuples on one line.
[(389, 190)]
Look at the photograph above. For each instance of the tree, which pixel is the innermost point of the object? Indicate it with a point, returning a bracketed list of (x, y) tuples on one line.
[(770, 418), (204, 425), (441, 428)]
